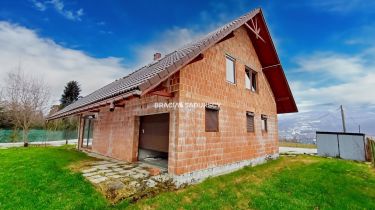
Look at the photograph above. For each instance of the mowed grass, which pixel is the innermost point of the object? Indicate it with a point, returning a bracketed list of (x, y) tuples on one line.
[(40, 178)]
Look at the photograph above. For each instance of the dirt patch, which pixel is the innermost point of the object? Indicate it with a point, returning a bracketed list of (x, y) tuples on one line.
[(81, 165)]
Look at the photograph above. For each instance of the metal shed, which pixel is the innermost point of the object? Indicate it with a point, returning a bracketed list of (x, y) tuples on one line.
[(350, 146)]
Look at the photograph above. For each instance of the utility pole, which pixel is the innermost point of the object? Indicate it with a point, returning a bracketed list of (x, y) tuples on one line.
[(343, 119), (359, 128)]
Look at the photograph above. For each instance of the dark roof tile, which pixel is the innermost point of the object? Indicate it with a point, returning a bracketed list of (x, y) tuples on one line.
[(153, 73)]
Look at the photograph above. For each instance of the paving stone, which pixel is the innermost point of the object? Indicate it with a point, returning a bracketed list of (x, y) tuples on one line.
[(134, 184), (141, 171), (150, 183), (90, 174), (122, 171), (101, 167), (115, 185), (89, 170), (115, 176), (98, 180), (118, 169), (127, 174), (110, 165), (139, 176), (105, 171), (96, 176), (111, 174)]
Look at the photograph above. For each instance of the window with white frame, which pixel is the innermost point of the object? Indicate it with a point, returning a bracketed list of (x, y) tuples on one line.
[(230, 69)]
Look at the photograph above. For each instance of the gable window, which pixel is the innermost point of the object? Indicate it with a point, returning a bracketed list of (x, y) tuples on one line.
[(250, 121), (212, 118), (251, 79), (264, 123), (230, 69)]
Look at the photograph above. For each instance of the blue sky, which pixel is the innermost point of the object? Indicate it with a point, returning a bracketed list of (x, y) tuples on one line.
[(326, 46)]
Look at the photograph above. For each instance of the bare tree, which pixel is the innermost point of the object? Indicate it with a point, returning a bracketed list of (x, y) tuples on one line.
[(25, 97)]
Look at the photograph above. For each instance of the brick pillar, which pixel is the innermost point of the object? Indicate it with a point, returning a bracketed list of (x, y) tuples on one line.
[(135, 141)]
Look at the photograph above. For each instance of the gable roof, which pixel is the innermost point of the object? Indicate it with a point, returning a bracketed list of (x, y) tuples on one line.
[(144, 79)]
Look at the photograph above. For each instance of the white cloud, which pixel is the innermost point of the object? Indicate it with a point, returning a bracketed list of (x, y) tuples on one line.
[(59, 6), (55, 63), (344, 78), (342, 67), (166, 42), (39, 5)]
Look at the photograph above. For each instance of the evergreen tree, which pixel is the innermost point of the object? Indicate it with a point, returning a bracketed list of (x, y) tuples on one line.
[(70, 94)]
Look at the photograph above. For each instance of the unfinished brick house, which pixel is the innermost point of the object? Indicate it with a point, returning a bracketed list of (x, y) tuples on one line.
[(156, 112)]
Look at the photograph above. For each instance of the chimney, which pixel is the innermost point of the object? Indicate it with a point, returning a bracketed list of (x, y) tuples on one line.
[(157, 56)]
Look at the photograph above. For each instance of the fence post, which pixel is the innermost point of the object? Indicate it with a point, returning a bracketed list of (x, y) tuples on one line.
[(372, 149)]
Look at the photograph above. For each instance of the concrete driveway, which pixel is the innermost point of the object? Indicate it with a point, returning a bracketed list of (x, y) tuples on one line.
[(296, 151)]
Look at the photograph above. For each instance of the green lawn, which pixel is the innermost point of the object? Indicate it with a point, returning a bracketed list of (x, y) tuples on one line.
[(40, 178)]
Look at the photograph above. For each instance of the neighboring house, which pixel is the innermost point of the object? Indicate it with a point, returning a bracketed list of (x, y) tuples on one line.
[(207, 108)]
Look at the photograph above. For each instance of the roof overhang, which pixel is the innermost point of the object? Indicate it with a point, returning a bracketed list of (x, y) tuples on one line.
[(95, 106), (271, 65)]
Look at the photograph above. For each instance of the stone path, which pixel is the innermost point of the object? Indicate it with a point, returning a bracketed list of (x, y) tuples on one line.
[(119, 180)]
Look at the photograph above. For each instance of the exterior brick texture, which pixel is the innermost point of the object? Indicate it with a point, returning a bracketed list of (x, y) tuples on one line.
[(204, 81)]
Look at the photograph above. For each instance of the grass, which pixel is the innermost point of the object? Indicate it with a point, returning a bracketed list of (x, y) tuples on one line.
[(294, 144), (39, 178)]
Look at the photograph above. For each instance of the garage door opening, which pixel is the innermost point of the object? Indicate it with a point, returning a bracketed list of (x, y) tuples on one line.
[(154, 139)]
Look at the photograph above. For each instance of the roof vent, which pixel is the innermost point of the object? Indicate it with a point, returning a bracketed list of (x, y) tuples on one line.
[(157, 56)]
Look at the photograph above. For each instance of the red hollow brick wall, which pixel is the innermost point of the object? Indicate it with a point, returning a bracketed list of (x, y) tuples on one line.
[(116, 133), (205, 82)]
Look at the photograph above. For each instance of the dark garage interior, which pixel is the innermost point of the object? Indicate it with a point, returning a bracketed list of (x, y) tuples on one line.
[(154, 139)]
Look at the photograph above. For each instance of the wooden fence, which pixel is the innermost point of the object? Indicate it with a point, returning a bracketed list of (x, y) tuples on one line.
[(371, 143)]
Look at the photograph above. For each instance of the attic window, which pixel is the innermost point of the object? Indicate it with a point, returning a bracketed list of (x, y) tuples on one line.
[(212, 118), (230, 69), (264, 123), (251, 78)]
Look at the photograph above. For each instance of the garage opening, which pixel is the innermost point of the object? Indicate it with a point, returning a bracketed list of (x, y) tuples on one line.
[(154, 139)]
